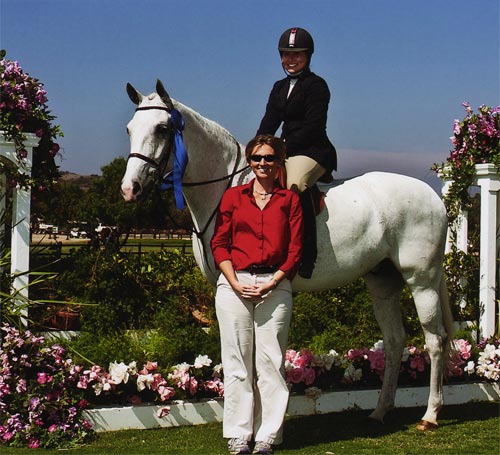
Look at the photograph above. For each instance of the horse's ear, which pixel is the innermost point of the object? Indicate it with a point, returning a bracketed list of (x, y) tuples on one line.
[(134, 94), (163, 94)]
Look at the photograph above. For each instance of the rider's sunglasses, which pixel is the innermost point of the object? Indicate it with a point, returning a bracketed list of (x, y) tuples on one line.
[(267, 158)]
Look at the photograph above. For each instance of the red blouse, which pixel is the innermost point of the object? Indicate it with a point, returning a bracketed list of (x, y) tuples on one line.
[(247, 235)]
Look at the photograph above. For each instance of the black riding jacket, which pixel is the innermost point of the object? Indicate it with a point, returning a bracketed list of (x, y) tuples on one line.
[(304, 116)]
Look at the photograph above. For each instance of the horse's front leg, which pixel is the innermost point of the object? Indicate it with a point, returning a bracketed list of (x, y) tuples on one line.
[(385, 287)]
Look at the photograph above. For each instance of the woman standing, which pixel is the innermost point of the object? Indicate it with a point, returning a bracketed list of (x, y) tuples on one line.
[(257, 246), (299, 103)]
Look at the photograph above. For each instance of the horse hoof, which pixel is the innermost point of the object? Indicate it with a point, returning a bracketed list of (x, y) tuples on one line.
[(424, 425)]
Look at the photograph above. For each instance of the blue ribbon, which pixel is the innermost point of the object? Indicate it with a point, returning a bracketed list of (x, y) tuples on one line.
[(174, 178)]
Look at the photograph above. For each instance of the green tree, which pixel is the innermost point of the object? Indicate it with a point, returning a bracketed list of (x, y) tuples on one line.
[(104, 202)]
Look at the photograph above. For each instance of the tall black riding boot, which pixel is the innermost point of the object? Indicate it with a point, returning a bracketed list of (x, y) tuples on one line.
[(309, 246)]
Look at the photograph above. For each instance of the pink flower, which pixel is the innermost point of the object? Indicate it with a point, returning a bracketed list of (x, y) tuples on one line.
[(166, 393), (193, 386), (83, 404), (417, 363), (356, 354), (43, 378), (163, 412), (33, 443), (309, 376), (464, 348), (377, 360), (7, 436), (291, 356), (295, 375), (306, 357), (52, 428), (150, 366), (215, 386), (39, 132)]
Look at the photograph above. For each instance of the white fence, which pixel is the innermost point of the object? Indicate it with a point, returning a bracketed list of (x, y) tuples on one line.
[(488, 179)]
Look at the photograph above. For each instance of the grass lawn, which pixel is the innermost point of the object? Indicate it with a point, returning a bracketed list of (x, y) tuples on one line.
[(464, 430)]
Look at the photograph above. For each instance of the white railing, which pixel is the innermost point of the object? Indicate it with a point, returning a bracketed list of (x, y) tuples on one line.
[(487, 177)]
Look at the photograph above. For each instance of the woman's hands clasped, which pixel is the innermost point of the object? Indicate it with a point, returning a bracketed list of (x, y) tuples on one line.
[(252, 291)]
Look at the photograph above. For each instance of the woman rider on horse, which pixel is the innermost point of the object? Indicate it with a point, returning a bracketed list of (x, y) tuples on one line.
[(300, 102)]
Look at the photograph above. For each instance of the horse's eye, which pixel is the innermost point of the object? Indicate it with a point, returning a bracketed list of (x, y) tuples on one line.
[(161, 128)]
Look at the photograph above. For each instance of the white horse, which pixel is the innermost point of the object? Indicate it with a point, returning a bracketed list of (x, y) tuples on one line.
[(388, 228)]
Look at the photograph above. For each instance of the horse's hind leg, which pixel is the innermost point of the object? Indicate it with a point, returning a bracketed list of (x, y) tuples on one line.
[(385, 286), (430, 312)]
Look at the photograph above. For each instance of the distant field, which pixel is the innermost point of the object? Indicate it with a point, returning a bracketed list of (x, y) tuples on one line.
[(41, 244)]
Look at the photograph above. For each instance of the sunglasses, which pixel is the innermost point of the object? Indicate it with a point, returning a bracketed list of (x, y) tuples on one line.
[(267, 158)]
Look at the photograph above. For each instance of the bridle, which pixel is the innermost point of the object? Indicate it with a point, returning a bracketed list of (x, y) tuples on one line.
[(161, 165)]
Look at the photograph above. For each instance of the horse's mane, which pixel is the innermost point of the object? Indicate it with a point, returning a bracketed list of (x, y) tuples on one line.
[(211, 127)]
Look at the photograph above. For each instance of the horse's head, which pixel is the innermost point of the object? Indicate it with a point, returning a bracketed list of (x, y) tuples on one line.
[(151, 138)]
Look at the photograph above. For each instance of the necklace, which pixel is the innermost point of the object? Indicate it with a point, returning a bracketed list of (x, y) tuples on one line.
[(262, 195)]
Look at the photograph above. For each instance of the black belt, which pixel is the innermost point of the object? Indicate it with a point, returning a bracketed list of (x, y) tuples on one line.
[(256, 269)]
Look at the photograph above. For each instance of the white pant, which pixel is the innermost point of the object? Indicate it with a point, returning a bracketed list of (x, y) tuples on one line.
[(254, 337)]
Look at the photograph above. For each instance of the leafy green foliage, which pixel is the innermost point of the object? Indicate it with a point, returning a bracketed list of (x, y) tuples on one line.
[(342, 319), (144, 306)]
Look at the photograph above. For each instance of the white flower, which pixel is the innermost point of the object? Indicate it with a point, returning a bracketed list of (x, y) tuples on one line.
[(488, 364), (353, 374), (143, 381), (406, 355), (182, 367), (318, 360), (118, 372), (470, 367), (132, 367), (202, 361), (379, 345), (289, 365), (97, 388), (218, 368), (325, 360)]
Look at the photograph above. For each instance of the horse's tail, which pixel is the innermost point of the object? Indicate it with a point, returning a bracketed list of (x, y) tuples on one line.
[(448, 321)]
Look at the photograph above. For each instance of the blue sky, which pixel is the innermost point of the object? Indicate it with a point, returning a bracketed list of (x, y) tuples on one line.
[(398, 70)]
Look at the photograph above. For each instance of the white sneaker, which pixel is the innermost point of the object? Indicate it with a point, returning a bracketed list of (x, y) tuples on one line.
[(262, 448), (237, 446)]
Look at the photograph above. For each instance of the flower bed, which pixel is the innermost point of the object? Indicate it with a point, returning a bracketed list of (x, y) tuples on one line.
[(43, 395), (143, 417)]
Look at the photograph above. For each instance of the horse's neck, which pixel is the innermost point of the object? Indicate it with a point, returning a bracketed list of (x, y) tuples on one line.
[(213, 153)]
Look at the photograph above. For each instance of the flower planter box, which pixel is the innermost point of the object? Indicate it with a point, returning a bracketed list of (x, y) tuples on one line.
[(211, 410)]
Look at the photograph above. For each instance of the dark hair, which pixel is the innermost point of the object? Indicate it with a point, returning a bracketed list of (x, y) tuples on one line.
[(266, 139)]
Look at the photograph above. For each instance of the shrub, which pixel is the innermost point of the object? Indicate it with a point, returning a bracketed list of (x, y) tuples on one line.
[(143, 307), (343, 318)]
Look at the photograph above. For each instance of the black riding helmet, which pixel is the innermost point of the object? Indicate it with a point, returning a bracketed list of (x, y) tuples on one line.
[(296, 39)]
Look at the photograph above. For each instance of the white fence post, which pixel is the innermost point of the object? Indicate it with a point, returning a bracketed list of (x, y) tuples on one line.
[(21, 211), (488, 178)]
